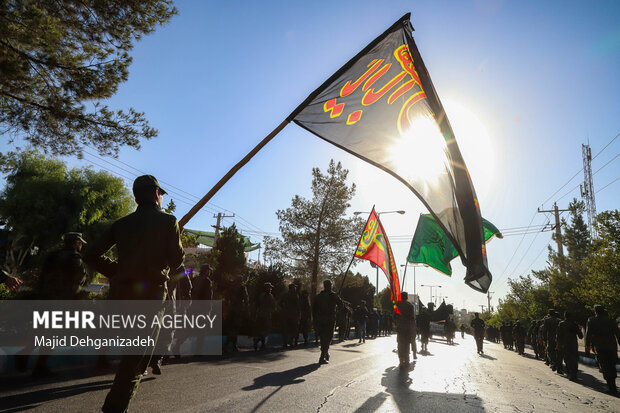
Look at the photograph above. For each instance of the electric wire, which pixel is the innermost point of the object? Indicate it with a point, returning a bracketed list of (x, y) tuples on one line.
[(607, 185), (612, 159), (169, 185), (577, 173)]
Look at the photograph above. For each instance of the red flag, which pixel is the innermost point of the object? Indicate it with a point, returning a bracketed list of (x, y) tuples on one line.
[(375, 247)]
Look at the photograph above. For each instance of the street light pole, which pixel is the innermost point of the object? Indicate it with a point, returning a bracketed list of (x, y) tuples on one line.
[(431, 289), (405, 276)]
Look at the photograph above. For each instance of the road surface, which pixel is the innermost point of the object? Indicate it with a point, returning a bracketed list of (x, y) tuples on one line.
[(359, 378)]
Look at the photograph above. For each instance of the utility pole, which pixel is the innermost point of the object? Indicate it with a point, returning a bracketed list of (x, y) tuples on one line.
[(558, 229), (587, 189), (219, 217), (489, 300), (481, 308)]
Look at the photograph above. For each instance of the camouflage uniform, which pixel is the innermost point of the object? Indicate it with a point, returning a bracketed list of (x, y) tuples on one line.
[(148, 246)]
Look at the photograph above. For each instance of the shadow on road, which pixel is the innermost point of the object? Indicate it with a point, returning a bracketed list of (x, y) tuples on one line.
[(397, 385), (279, 380), (486, 356), (30, 400), (352, 345), (282, 378)]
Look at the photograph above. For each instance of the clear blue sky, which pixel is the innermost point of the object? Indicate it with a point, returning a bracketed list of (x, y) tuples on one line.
[(524, 85)]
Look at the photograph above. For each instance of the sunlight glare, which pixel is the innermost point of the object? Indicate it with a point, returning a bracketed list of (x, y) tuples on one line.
[(419, 156)]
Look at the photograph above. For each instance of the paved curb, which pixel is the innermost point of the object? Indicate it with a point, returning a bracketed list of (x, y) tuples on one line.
[(583, 359)]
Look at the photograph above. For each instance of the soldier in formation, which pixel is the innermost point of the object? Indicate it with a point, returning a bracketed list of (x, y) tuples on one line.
[(478, 325), (550, 330), (518, 334), (360, 315), (291, 306), (423, 324), (405, 330), (148, 247), (566, 339), (265, 306), (324, 312), (61, 278), (602, 336), (343, 317), (305, 316)]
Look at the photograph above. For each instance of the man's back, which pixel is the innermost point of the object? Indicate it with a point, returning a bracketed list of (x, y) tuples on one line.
[(61, 274), (478, 326), (325, 305), (602, 333), (147, 243), (551, 328)]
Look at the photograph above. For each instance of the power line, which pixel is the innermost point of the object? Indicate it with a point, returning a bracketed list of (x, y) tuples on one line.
[(505, 281), (612, 159), (515, 251), (577, 173), (607, 185), (169, 185), (599, 152)]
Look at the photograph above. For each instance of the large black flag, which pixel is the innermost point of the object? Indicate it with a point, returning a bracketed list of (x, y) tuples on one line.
[(382, 107)]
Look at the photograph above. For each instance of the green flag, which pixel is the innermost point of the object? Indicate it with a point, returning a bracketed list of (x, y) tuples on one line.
[(432, 247)]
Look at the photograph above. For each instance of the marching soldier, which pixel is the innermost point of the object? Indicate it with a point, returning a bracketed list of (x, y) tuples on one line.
[(550, 330), (290, 303), (305, 311), (405, 330), (518, 332), (148, 246), (478, 325), (567, 334), (265, 307), (324, 312), (61, 278), (602, 334)]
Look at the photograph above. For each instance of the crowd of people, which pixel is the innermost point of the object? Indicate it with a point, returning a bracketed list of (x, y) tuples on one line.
[(554, 340), (164, 278)]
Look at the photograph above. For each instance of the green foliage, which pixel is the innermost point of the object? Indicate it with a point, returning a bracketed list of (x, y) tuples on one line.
[(187, 240), (601, 282), (317, 240), (384, 300), (356, 288), (229, 262), (43, 199), (255, 280), (588, 275), (59, 60)]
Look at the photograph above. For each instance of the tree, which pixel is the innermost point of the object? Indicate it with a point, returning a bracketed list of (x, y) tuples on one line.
[(316, 237), (43, 199), (60, 59), (356, 288), (187, 240), (601, 283), (229, 251)]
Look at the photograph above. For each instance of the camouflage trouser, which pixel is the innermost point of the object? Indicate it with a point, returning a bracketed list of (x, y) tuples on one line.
[(131, 367), (554, 356), (571, 359), (607, 361)]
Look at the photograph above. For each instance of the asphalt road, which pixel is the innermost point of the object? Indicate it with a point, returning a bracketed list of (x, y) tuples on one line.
[(359, 378)]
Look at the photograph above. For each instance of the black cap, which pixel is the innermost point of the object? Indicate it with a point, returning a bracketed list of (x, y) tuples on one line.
[(73, 236), (146, 181)]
